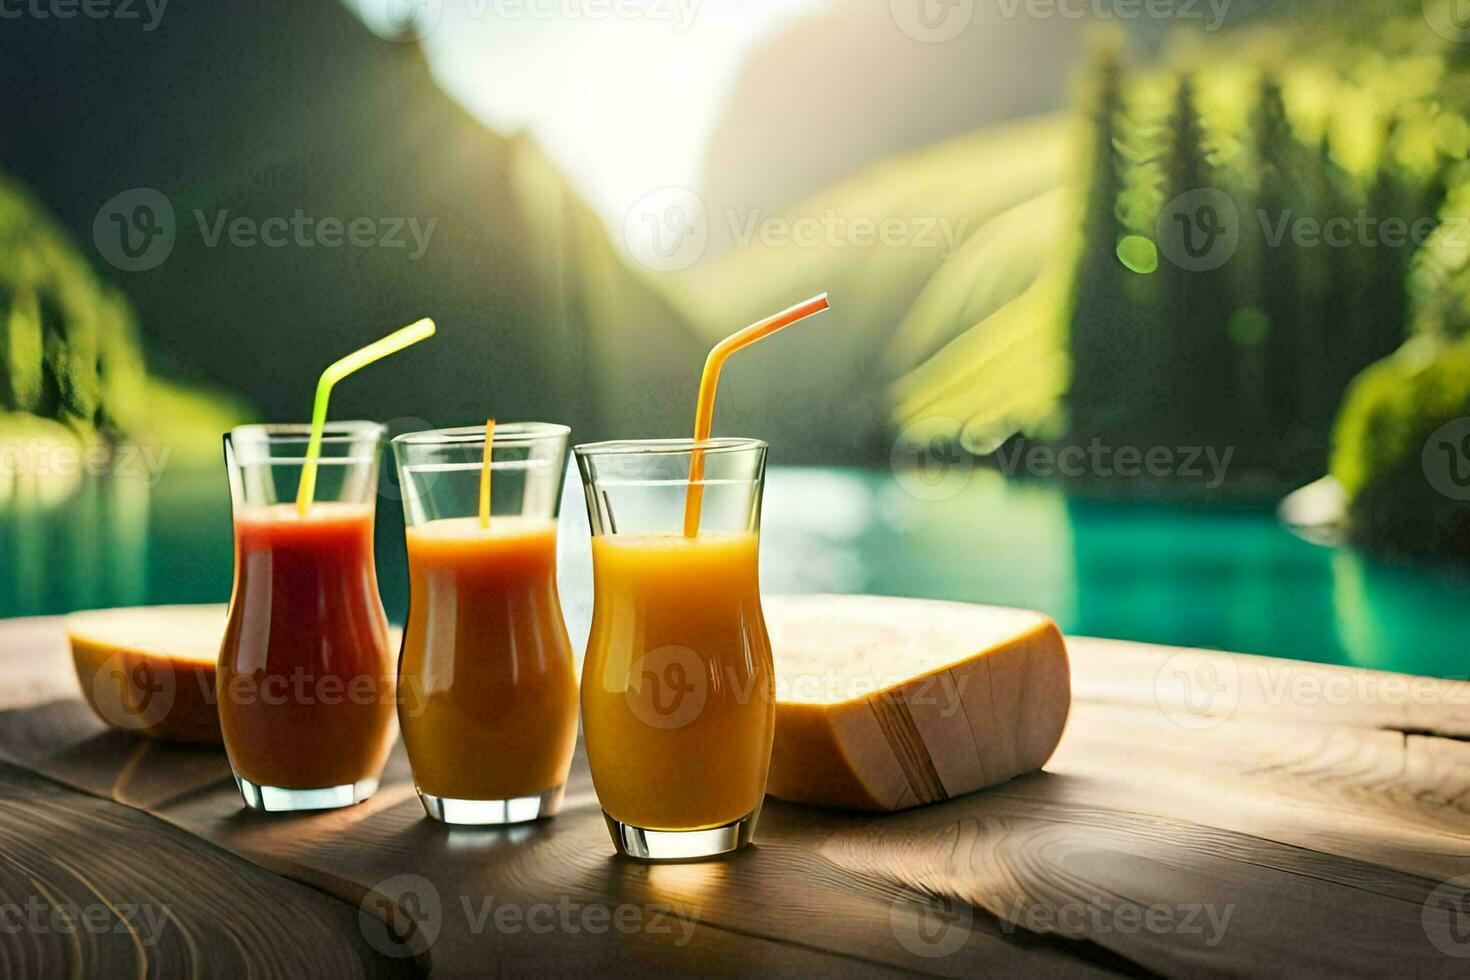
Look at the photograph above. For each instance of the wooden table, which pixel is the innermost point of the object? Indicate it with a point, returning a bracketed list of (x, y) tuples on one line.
[(1206, 813)]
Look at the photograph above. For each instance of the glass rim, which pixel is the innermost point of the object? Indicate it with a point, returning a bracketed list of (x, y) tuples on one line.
[(285, 443), (668, 447), (353, 430), (507, 434)]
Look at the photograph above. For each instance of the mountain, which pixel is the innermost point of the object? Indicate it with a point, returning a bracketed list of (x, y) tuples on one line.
[(850, 87), (272, 130)]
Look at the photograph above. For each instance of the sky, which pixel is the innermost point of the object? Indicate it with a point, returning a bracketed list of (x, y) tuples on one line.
[(623, 94)]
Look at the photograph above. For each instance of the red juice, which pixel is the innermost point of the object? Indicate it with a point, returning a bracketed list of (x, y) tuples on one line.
[(305, 678)]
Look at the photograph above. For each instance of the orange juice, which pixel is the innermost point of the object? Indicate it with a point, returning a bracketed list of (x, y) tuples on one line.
[(488, 689), (678, 689)]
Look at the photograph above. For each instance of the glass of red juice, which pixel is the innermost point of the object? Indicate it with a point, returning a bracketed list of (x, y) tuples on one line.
[(305, 680)]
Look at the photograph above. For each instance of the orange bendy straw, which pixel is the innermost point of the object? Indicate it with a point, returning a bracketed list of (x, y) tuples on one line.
[(358, 359), (704, 412), (485, 475)]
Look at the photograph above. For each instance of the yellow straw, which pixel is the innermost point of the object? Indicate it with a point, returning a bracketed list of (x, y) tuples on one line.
[(709, 382), (377, 350), (485, 476)]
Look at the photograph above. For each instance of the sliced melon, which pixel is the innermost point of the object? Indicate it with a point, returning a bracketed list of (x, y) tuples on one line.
[(150, 669), (885, 703)]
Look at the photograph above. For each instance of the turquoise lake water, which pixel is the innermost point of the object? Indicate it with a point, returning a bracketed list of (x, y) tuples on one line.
[(1224, 579)]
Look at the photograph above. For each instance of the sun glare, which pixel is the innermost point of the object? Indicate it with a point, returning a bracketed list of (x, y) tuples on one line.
[(625, 105)]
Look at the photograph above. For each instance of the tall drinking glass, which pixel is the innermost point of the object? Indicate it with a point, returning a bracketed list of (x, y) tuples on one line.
[(677, 688), (488, 689), (305, 678)]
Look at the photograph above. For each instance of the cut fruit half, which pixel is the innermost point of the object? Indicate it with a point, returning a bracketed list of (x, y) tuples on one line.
[(150, 669), (885, 703)]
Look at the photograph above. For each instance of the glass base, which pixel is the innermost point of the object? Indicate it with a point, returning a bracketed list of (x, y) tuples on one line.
[(489, 813), (681, 845), (275, 799)]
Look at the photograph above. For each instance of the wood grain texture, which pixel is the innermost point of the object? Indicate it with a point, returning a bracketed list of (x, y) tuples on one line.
[(1246, 818), (91, 888)]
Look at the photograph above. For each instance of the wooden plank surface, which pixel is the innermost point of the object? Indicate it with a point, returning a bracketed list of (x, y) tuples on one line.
[(1205, 813), (92, 888)]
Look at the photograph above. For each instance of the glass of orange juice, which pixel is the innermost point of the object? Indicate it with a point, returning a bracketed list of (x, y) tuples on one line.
[(677, 686), (487, 686)]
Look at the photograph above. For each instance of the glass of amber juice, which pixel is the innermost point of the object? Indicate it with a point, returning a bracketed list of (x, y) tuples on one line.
[(487, 685), (677, 687), (305, 672)]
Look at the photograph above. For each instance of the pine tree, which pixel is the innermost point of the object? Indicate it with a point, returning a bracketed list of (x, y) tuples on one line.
[(1098, 302), (1195, 302)]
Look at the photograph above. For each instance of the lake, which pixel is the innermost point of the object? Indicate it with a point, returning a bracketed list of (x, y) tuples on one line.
[(1231, 579)]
